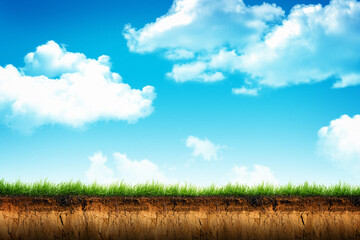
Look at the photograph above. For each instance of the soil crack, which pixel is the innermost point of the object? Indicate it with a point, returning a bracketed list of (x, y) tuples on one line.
[(302, 219), (61, 220)]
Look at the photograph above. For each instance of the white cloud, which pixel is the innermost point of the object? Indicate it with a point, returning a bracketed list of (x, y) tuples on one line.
[(197, 25), (203, 148), (260, 174), (246, 91), (138, 171), (98, 170), (52, 60), (313, 43), (179, 54), (224, 60), (131, 171), (57, 86), (194, 72), (341, 139), (348, 80), (202, 27)]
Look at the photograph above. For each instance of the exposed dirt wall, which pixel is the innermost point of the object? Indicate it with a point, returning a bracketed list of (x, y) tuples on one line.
[(179, 218)]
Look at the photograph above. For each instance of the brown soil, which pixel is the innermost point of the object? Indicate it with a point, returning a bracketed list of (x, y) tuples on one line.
[(179, 218)]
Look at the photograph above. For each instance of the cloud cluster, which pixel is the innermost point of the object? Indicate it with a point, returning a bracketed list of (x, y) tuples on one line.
[(134, 172), (203, 25), (131, 171), (203, 148), (195, 30), (312, 44), (260, 174), (341, 139), (217, 38), (56, 86)]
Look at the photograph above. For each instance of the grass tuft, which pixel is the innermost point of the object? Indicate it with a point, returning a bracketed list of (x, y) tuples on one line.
[(152, 189)]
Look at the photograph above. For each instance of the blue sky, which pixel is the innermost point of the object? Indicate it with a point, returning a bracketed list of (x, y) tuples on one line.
[(237, 92)]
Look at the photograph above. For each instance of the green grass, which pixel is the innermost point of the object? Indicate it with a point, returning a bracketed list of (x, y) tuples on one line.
[(46, 188)]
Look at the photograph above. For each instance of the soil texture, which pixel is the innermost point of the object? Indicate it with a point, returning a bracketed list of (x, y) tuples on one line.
[(80, 217)]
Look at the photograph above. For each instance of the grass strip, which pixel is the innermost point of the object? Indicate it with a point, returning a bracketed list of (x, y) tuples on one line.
[(153, 189)]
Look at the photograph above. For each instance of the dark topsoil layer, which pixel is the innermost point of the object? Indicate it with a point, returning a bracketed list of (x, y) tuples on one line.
[(178, 204)]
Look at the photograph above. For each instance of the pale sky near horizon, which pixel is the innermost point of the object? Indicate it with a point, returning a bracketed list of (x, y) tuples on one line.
[(197, 91)]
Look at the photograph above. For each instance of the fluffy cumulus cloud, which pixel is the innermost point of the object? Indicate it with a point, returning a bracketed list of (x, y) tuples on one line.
[(341, 139), (130, 171), (312, 44), (98, 171), (260, 174), (57, 86), (197, 25), (196, 29), (203, 148), (138, 171), (52, 60), (217, 38)]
